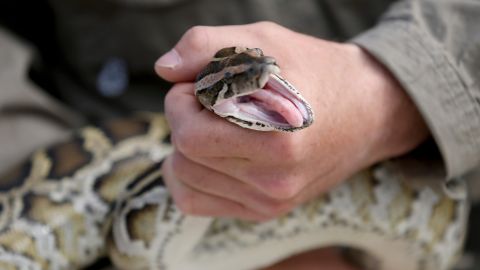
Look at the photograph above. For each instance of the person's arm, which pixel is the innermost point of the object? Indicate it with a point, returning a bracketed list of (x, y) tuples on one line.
[(433, 48)]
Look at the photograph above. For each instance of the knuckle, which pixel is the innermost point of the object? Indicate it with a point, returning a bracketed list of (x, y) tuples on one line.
[(266, 28), (283, 189), (290, 150), (291, 187), (266, 24), (196, 37), (183, 141), (291, 147)]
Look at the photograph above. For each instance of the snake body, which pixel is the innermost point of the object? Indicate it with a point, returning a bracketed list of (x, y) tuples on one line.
[(101, 192)]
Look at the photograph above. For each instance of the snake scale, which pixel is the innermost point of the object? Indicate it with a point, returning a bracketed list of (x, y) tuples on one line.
[(101, 192)]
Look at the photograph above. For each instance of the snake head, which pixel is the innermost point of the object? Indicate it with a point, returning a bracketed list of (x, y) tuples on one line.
[(245, 87)]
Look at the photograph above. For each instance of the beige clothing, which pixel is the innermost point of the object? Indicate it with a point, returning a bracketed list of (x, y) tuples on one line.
[(29, 119), (433, 48)]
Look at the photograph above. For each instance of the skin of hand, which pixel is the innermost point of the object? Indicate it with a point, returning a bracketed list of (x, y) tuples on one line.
[(362, 116)]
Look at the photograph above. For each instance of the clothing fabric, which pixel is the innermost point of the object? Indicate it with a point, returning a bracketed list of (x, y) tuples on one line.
[(433, 49), (29, 119)]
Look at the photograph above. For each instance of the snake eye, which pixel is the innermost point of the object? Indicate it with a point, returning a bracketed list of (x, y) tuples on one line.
[(227, 75)]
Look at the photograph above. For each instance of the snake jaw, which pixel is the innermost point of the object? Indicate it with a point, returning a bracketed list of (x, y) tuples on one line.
[(275, 106)]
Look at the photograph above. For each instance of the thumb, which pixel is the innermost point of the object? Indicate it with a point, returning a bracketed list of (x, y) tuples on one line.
[(196, 49), (189, 56)]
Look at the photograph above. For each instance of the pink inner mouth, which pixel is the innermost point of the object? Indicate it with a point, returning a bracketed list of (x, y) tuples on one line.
[(272, 104), (272, 101)]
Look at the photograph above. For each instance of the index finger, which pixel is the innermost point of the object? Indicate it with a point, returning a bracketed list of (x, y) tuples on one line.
[(201, 133)]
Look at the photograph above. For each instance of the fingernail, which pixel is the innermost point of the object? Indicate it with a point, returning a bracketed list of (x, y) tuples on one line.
[(169, 60)]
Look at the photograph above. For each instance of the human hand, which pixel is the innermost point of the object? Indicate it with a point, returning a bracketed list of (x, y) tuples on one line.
[(220, 169)]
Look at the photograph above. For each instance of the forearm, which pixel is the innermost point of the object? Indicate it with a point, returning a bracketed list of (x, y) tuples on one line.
[(429, 46)]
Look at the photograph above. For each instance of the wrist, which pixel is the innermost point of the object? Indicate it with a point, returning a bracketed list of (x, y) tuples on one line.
[(394, 122)]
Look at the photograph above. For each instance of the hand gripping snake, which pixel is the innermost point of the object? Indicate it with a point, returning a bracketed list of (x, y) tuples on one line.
[(101, 193)]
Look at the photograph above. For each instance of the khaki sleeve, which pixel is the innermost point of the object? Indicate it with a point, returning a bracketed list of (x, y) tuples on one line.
[(433, 48)]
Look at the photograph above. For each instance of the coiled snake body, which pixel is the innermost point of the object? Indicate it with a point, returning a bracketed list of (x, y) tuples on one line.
[(102, 193)]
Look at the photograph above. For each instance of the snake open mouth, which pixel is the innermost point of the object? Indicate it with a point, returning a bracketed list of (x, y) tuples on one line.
[(275, 104)]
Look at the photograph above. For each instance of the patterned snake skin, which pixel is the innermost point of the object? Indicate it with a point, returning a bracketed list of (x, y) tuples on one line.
[(101, 193)]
